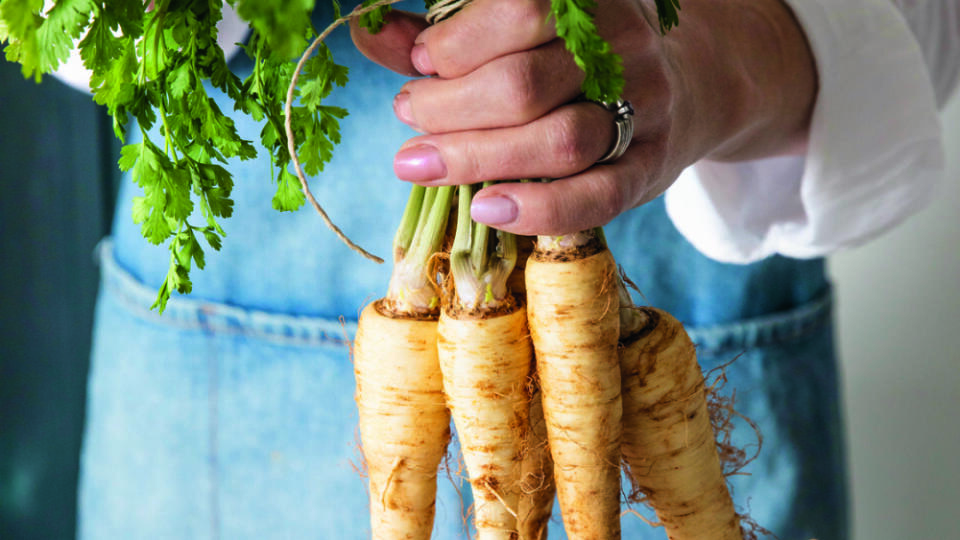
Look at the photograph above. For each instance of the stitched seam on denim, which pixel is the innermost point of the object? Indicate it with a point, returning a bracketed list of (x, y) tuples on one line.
[(776, 329), (218, 318), (223, 319)]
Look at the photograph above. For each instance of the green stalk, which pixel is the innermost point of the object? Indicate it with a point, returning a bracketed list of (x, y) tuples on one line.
[(408, 223), (411, 292), (429, 238), (479, 272), (462, 239), (429, 195)]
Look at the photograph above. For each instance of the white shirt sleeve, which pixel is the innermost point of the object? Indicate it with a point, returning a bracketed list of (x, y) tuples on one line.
[(232, 29), (875, 151)]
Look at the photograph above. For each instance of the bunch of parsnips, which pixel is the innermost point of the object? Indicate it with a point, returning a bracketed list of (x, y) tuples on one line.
[(551, 375)]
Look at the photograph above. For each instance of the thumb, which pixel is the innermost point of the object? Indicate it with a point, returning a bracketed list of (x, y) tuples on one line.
[(391, 46)]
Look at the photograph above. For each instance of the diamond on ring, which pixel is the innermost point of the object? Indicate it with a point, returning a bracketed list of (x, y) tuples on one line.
[(624, 123)]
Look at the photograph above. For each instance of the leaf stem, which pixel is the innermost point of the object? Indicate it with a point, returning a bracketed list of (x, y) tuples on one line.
[(412, 291), (408, 223), (169, 147), (479, 273), (429, 237)]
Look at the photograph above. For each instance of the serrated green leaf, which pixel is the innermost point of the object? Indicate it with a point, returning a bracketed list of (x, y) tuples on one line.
[(100, 47), (129, 154), (177, 203), (187, 249), (180, 80), (180, 278), (213, 238), (154, 225), (163, 295), (603, 69), (285, 25), (289, 195), (141, 209), (320, 75), (113, 82), (667, 13), (315, 151), (374, 20), (21, 17), (65, 23)]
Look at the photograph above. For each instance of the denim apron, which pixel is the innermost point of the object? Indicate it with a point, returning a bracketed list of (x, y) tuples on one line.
[(231, 416)]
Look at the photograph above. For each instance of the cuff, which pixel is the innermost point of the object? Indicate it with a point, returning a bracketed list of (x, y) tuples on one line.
[(874, 153)]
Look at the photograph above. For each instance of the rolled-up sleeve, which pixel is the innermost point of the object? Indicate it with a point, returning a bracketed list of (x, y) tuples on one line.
[(874, 155)]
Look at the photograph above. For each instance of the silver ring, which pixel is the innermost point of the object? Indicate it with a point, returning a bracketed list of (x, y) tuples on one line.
[(624, 123)]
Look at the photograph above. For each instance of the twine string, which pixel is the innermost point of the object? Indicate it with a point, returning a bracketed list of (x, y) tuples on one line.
[(437, 12)]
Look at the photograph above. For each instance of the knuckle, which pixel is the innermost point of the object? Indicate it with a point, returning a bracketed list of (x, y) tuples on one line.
[(522, 13), (522, 86), (444, 46), (567, 144), (469, 165), (657, 85)]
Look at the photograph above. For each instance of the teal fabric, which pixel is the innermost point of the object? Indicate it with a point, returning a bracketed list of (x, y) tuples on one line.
[(55, 204)]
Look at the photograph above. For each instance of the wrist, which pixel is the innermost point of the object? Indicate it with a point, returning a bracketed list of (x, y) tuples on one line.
[(747, 80)]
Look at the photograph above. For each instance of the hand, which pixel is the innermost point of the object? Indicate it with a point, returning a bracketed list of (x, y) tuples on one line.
[(502, 103)]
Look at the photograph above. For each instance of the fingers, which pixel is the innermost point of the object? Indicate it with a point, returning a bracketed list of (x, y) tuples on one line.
[(392, 45), (565, 144), (564, 206), (482, 31), (499, 108), (510, 90), (562, 143)]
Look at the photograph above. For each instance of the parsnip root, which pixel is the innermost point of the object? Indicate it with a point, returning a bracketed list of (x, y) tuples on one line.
[(486, 364), (574, 323), (668, 441), (404, 423)]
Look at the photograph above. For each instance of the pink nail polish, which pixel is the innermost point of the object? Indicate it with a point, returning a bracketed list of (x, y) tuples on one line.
[(421, 60), (401, 108), (495, 210), (419, 164)]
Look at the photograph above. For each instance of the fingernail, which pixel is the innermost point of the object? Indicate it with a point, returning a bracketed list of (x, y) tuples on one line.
[(419, 164), (421, 60), (495, 210), (401, 108)]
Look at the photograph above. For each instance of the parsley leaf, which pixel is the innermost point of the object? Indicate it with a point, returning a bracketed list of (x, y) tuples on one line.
[(374, 20), (667, 12), (156, 67), (289, 196), (603, 68)]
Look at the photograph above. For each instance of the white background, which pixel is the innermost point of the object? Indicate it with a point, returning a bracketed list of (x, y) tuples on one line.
[(898, 315)]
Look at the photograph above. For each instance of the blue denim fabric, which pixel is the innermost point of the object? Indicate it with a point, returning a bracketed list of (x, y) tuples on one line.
[(232, 416), (215, 421)]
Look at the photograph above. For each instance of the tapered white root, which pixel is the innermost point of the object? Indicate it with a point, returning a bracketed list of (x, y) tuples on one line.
[(404, 424), (486, 365), (574, 323), (668, 441)]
